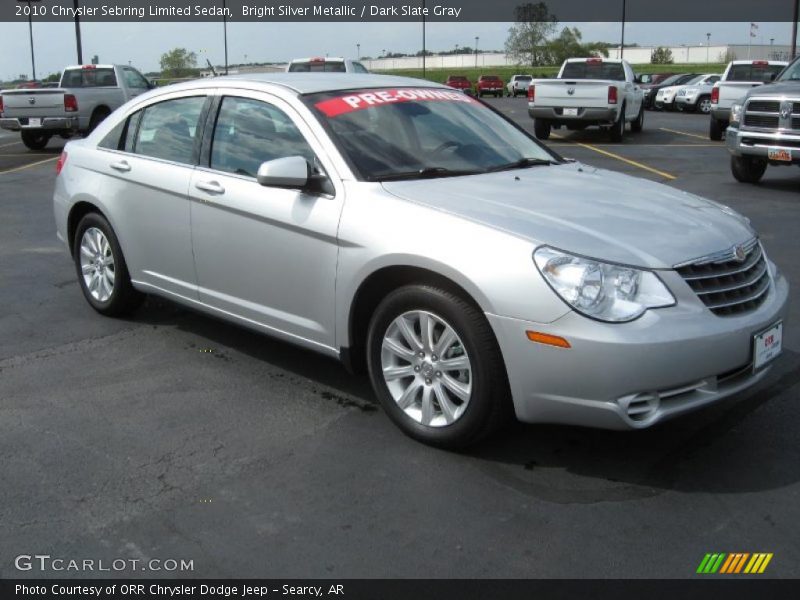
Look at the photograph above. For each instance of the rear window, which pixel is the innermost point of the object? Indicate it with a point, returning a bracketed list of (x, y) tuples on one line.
[(524, 77), (752, 72), (326, 66), (86, 78), (594, 70), (456, 78), (490, 78)]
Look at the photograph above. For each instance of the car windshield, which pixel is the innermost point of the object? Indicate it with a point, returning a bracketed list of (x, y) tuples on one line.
[(792, 72), (670, 80), (414, 133), (594, 70), (697, 79), (760, 72)]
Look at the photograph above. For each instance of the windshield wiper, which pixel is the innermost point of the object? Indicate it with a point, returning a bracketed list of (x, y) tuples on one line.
[(426, 173), (522, 163)]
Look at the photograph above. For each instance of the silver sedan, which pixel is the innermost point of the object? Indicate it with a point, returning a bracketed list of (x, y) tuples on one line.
[(412, 231)]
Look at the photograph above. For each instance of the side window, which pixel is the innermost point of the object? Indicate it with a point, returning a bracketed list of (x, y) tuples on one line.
[(113, 138), (133, 79), (713, 80), (122, 136), (249, 132), (168, 129)]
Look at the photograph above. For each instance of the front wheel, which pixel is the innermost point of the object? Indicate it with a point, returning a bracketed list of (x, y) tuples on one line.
[(748, 169), (436, 368), (541, 128), (102, 271), (35, 140)]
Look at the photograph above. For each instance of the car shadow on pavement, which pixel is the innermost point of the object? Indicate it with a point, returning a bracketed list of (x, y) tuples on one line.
[(747, 443)]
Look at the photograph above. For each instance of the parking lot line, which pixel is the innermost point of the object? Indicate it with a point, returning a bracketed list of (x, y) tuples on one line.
[(694, 135), (11, 144), (639, 165), (28, 166)]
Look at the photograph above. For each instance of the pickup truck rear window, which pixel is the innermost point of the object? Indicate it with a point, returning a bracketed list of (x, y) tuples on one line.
[(318, 67), (87, 78), (598, 70), (759, 73)]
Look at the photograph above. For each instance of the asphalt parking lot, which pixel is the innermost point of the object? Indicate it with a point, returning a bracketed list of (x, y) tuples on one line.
[(172, 435)]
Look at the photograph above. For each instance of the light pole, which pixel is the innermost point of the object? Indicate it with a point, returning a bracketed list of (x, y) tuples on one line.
[(358, 51), (424, 49), (622, 36), (30, 31), (78, 33), (476, 51), (708, 47)]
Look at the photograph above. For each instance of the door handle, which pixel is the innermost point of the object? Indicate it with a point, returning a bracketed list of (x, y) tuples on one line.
[(121, 166), (211, 187)]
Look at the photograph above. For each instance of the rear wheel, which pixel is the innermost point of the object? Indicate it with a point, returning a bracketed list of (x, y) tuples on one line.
[(715, 129), (541, 128), (638, 124), (435, 365), (35, 140), (617, 130), (748, 169), (102, 271), (98, 117)]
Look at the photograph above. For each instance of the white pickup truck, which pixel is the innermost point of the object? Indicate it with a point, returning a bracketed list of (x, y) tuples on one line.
[(86, 95), (587, 91), (739, 78)]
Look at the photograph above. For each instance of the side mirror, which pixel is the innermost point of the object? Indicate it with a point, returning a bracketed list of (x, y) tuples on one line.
[(289, 172)]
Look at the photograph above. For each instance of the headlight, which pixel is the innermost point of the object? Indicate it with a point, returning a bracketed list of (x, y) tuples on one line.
[(736, 113), (600, 290)]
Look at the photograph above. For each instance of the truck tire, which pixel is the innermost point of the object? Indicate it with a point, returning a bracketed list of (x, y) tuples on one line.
[(715, 130), (35, 140), (617, 131), (541, 127), (748, 169), (98, 116), (638, 124)]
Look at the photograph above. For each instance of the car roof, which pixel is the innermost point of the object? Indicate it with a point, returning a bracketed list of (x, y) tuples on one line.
[(309, 83)]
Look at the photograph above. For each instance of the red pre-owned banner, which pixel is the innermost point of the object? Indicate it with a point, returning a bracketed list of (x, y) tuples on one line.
[(334, 107)]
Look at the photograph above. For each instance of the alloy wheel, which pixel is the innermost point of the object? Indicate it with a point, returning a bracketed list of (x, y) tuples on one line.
[(97, 264), (426, 368)]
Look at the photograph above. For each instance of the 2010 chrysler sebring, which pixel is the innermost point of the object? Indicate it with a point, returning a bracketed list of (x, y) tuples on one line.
[(412, 229)]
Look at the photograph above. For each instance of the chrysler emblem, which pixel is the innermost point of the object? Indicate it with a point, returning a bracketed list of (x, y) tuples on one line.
[(32, 100), (570, 91), (739, 254), (786, 110)]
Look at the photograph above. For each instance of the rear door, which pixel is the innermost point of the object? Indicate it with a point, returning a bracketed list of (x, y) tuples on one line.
[(148, 175), (265, 254)]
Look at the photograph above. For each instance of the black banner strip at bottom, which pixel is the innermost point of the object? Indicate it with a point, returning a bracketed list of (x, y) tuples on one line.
[(729, 588)]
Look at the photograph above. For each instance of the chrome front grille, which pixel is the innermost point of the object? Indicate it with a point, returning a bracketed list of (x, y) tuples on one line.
[(766, 114), (729, 284)]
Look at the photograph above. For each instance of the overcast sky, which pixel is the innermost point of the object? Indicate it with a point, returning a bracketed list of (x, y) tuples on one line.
[(144, 43)]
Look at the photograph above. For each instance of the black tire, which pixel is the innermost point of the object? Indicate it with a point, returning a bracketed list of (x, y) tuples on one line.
[(617, 131), (541, 128), (124, 298), (35, 140), (748, 169), (703, 105), (715, 129), (638, 124), (98, 116), (489, 405)]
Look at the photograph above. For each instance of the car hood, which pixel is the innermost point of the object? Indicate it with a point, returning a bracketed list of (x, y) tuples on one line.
[(588, 211), (781, 88)]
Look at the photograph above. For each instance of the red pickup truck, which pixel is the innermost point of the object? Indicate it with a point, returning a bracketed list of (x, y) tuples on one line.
[(459, 82), (489, 84)]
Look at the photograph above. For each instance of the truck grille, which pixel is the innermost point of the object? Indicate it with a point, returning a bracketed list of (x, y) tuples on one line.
[(727, 285), (762, 121), (766, 114)]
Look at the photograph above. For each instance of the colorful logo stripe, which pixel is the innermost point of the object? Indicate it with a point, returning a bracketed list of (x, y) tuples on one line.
[(734, 563)]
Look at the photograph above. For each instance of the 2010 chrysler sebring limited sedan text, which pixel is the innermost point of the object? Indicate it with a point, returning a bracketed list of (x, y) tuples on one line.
[(413, 230)]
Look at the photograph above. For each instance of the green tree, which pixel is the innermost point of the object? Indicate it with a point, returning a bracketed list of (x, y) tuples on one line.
[(661, 56), (178, 62), (527, 37), (52, 77)]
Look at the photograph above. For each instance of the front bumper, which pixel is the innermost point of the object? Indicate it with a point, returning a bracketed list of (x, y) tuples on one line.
[(686, 101), (758, 143), (632, 375), (47, 123), (585, 115)]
